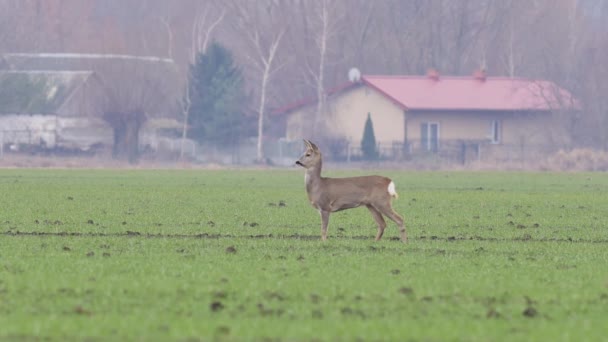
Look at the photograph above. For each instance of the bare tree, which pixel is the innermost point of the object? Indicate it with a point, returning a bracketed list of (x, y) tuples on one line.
[(200, 36), (326, 24), (261, 25), (135, 90)]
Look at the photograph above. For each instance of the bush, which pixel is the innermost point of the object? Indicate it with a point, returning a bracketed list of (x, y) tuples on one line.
[(581, 159)]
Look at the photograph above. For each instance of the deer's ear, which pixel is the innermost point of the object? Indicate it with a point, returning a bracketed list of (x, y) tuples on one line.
[(307, 143), (314, 147)]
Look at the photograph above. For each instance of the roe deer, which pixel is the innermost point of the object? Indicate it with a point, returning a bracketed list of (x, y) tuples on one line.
[(328, 195)]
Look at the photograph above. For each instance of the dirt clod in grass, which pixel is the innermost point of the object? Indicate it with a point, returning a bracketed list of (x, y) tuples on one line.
[(132, 233), (281, 203), (492, 313), (66, 248), (317, 314), (406, 290), (301, 258), (70, 198), (395, 272), (274, 295), (253, 224), (106, 254), (66, 290), (90, 222), (216, 306), (82, 311), (530, 312), (211, 223), (222, 330), (346, 311), (315, 298), (268, 312), (90, 254), (231, 250), (521, 226)]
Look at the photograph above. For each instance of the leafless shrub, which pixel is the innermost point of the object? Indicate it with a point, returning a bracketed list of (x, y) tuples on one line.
[(582, 159)]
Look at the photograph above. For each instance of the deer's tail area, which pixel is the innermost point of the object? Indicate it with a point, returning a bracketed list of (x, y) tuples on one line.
[(392, 191)]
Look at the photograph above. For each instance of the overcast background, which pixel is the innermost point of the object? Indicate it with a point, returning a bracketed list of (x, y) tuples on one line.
[(302, 48)]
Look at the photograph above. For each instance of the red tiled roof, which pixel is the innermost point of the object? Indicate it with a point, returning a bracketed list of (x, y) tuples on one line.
[(470, 93), (462, 93)]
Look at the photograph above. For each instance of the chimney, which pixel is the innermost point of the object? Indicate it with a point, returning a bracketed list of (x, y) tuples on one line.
[(480, 75), (433, 74)]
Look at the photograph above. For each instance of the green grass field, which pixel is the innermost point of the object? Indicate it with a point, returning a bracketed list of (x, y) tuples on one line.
[(101, 255)]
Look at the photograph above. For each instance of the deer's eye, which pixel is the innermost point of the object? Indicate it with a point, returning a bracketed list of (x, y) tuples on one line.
[(308, 154)]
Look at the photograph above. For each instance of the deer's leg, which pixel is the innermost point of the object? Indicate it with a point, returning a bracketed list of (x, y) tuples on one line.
[(379, 220), (324, 223), (388, 211)]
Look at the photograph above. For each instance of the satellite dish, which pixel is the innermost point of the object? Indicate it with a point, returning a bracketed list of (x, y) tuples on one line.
[(354, 75)]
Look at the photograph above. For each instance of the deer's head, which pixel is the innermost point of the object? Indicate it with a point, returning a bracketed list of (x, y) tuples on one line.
[(311, 156)]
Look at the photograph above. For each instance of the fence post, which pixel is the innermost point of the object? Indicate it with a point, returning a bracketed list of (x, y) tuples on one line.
[(348, 152), (463, 152)]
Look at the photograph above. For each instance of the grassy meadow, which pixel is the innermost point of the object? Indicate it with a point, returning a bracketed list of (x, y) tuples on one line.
[(233, 255)]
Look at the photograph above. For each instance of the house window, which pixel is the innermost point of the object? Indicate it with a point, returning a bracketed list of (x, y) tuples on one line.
[(429, 136), (495, 132)]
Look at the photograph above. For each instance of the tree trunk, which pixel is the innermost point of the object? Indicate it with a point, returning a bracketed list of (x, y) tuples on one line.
[(126, 135), (260, 147)]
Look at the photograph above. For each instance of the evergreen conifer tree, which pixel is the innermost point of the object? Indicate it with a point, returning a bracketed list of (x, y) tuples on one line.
[(218, 98), (368, 144)]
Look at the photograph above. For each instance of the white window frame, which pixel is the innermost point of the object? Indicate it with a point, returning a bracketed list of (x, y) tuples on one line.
[(427, 145)]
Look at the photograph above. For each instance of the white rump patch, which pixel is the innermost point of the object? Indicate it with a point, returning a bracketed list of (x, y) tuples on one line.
[(391, 189)]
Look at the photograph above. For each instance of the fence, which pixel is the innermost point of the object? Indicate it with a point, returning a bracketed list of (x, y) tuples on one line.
[(449, 151), (282, 152)]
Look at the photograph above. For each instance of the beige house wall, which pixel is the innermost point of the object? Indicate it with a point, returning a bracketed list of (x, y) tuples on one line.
[(522, 134), (534, 128), (346, 116)]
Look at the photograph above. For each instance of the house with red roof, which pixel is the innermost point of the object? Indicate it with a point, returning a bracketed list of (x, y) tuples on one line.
[(453, 116)]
